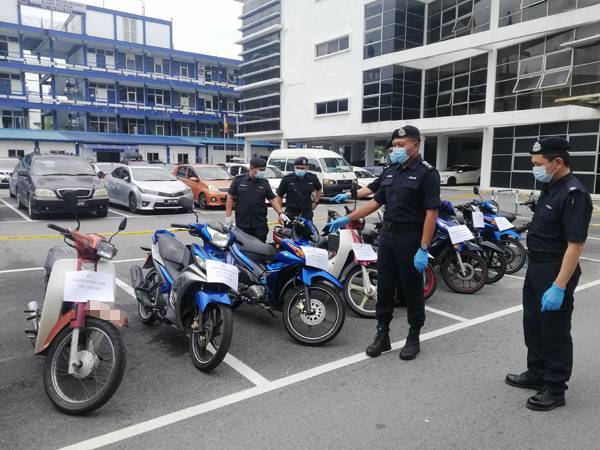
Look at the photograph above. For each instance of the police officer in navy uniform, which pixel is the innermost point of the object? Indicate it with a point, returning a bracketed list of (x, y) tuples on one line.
[(250, 192), (411, 192), (555, 242), (298, 188)]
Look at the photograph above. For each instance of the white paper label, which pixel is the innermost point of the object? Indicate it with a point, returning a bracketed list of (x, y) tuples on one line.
[(363, 252), (478, 219), (503, 223), (460, 233), (316, 257), (85, 285), (219, 272)]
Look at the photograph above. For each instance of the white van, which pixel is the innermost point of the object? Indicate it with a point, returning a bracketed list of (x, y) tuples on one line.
[(334, 172)]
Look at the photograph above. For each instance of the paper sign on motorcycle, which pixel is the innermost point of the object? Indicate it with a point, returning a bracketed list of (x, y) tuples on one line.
[(85, 285), (503, 224), (222, 273), (478, 219), (460, 233), (316, 257), (363, 252)]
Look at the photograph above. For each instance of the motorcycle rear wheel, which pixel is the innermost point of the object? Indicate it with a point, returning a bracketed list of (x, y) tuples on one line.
[(210, 343), (516, 255), (355, 297), (329, 310), (475, 277), (429, 282), (147, 316), (62, 388), (496, 262)]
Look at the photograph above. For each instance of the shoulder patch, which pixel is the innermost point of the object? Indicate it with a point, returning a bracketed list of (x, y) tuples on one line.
[(427, 165)]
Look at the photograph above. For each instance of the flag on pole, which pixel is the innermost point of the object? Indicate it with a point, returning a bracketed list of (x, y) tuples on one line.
[(225, 125)]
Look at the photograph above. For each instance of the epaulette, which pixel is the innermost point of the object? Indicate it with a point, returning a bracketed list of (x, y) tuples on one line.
[(426, 164)]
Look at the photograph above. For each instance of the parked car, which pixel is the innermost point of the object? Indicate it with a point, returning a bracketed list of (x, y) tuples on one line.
[(376, 170), (132, 158), (41, 180), (145, 188), (104, 169), (363, 176), (333, 171), (460, 174), (209, 183), (7, 167), (235, 169)]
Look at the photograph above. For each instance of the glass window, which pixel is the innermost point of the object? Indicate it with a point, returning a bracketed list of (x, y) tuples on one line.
[(335, 165), (213, 173), (279, 163), (532, 65), (553, 79)]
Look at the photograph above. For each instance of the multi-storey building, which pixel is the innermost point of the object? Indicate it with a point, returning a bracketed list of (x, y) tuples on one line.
[(90, 78), (482, 79)]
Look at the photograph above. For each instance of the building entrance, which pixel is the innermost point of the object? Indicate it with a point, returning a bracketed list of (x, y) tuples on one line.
[(108, 156)]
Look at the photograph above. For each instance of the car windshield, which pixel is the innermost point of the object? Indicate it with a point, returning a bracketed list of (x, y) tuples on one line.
[(335, 165), (213, 173), (151, 174), (273, 172), (61, 166)]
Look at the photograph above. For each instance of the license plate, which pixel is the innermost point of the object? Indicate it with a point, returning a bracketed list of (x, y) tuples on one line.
[(81, 203), (171, 202)]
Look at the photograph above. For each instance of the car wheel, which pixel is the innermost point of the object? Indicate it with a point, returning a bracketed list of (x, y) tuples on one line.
[(202, 203), (10, 193), (478, 181), (132, 203), (19, 201), (102, 213), (451, 181), (32, 213)]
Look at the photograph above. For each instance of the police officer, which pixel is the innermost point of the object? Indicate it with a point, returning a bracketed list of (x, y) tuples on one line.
[(298, 188), (411, 192), (371, 188), (555, 242), (250, 192)]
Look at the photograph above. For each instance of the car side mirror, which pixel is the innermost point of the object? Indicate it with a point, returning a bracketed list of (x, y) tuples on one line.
[(101, 175), (194, 179), (127, 179)]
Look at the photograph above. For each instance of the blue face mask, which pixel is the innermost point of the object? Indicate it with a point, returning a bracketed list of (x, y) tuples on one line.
[(399, 155), (300, 172), (541, 174), (261, 175)]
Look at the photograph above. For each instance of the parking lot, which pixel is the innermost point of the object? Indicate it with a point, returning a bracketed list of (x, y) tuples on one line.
[(274, 393)]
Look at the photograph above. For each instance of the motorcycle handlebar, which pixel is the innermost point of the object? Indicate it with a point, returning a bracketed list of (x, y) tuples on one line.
[(58, 228), (179, 225)]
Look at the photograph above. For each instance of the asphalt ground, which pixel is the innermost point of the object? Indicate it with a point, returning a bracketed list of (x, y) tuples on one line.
[(274, 393)]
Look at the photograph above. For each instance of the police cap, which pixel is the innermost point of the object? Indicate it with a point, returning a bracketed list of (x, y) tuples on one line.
[(550, 145), (301, 161), (257, 163), (407, 131)]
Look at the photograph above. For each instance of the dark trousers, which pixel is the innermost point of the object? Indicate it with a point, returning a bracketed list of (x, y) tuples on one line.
[(396, 270), (260, 232), (548, 333)]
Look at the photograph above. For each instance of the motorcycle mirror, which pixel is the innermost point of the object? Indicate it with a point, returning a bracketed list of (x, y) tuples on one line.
[(476, 190), (122, 226), (188, 206)]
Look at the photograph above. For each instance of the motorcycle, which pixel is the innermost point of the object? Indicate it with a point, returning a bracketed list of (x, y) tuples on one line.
[(75, 328), (313, 312), (180, 291), (463, 268), (508, 238)]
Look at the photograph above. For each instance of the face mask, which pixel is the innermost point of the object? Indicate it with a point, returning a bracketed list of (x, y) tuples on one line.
[(300, 172), (261, 175), (399, 155), (541, 174)]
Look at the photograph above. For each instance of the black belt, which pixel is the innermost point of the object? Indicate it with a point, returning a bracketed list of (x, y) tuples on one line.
[(403, 227), (544, 257)]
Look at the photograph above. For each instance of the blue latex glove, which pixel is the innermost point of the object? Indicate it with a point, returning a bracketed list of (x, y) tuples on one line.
[(421, 259), (334, 226), (341, 198), (553, 298)]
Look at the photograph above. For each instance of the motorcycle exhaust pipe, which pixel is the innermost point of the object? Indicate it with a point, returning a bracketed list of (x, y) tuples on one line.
[(137, 282)]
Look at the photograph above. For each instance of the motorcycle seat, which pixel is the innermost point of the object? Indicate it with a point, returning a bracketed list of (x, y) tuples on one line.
[(56, 253), (256, 249), (508, 215), (175, 254)]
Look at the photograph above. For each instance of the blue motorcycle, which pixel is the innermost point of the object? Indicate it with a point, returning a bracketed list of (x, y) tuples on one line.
[(309, 299), (463, 267), (177, 291)]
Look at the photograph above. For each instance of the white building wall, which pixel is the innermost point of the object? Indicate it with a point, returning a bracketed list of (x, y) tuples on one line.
[(158, 35), (99, 24), (160, 149), (27, 146), (8, 11), (190, 151), (48, 147)]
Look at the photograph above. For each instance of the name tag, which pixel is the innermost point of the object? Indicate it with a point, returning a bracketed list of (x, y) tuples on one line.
[(412, 178)]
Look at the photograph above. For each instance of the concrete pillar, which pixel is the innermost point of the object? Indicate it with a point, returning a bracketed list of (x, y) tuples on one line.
[(370, 151), (422, 147), (486, 157), (490, 88), (284, 143), (247, 150), (441, 154)]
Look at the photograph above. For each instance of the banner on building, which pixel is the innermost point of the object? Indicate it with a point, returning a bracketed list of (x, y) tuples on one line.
[(64, 6)]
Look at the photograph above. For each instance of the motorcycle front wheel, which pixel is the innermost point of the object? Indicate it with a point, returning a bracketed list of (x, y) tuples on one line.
[(516, 255), (101, 353), (356, 298), (325, 320), (210, 342), (496, 262), (475, 274)]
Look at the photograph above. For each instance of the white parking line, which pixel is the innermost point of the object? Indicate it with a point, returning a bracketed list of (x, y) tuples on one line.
[(516, 277), (27, 219), (31, 269), (119, 213), (446, 314), (589, 259)]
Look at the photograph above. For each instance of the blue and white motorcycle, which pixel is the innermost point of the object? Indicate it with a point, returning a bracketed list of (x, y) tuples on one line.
[(177, 290)]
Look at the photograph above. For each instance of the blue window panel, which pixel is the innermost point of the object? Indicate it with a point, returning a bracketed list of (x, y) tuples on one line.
[(201, 104), (5, 87), (166, 66), (100, 60), (149, 64), (120, 60), (175, 68), (139, 61)]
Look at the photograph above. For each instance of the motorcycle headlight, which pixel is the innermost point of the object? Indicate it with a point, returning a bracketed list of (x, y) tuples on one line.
[(106, 250), (328, 182), (200, 261), (45, 193), (102, 192)]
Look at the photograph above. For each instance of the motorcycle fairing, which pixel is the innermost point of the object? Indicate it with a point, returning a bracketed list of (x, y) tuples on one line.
[(309, 273), (204, 298)]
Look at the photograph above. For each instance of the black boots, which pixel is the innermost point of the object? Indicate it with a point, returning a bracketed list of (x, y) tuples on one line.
[(381, 342), (545, 401), (412, 347), (526, 380)]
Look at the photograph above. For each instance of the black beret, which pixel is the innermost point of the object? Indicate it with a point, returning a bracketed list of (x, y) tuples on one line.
[(301, 161), (257, 162), (407, 131), (550, 145)]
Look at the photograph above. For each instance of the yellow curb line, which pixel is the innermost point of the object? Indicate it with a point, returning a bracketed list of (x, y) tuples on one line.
[(58, 236)]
